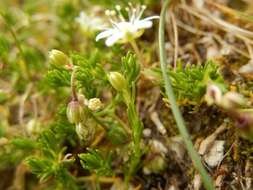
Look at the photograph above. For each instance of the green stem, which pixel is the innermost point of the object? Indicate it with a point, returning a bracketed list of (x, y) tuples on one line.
[(23, 66), (137, 128), (13, 34), (137, 51), (175, 110), (72, 84)]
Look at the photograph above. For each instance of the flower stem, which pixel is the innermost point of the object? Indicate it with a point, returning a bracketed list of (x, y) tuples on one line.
[(137, 51), (72, 84), (137, 128), (175, 110)]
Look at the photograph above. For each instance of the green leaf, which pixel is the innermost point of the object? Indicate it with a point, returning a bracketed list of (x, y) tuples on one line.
[(24, 143), (58, 77), (116, 134), (4, 46), (90, 74), (94, 162), (65, 179), (43, 168), (190, 82), (49, 144), (130, 68)]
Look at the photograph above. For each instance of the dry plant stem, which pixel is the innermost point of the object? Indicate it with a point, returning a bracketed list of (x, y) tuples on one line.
[(105, 180), (138, 187), (232, 12), (223, 25), (177, 115), (216, 37), (22, 107), (19, 181), (98, 138), (206, 144), (174, 25), (249, 48)]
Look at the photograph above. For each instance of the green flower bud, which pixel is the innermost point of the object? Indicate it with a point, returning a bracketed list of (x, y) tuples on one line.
[(75, 112), (156, 164), (82, 131), (117, 80), (58, 58), (94, 104), (85, 133)]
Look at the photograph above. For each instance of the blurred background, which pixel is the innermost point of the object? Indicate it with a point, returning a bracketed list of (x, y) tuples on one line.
[(29, 29)]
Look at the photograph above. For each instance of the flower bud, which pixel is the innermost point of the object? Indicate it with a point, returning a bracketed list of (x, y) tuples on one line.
[(232, 100), (213, 94), (117, 80), (156, 159), (75, 112), (33, 127), (94, 104), (82, 131), (156, 164), (58, 58), (85, 133)]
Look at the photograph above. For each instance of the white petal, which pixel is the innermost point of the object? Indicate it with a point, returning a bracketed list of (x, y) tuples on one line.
[(105, 34), (143, 24), (150, 18), (82, 17), (113, 39)]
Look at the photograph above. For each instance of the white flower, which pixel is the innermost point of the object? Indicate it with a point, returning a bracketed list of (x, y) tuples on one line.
[(123, 30), (90, 23)]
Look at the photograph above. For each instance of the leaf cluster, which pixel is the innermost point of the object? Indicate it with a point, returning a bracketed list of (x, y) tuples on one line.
[(130, 68), (58, 77), (94, 162), (190, 82), (51, 163), (90, 74)]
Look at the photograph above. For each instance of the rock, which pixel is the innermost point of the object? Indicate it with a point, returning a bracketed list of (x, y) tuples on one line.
[(215, 154)]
